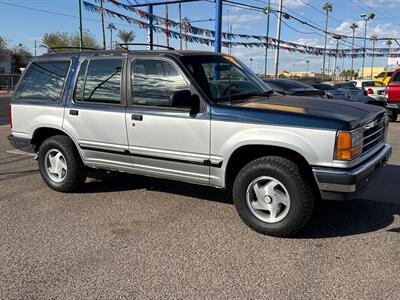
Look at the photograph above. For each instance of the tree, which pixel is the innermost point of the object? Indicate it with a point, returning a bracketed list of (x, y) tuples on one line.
[(89, 40), (65, 39), (111, 27), (186, 25), (126, 36), (327, 8), (20, 57), (55, 40), (353, 27), (3, 44)]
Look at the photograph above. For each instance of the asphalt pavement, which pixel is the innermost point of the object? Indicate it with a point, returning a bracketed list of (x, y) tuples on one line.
[(133, 237)]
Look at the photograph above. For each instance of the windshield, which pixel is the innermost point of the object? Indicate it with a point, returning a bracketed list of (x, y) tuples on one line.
[(224, 79)]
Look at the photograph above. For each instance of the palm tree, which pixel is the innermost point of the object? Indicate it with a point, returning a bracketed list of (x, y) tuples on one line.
[(353, 26), (186, 25), (327, 8), (373, 37), (126, 36), (111, 27)]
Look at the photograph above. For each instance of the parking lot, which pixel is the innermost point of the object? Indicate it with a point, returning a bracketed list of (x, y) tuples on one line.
[(125, 236)]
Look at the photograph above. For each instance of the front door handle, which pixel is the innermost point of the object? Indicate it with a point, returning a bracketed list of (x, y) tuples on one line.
[(137, 118), (73, 112)]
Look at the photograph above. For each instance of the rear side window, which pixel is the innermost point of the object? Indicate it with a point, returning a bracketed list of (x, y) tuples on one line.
[(99, 81), (396, 77), (43, 81)]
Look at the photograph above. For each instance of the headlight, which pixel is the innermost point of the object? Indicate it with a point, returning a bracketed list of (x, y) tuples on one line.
[(348, 144)]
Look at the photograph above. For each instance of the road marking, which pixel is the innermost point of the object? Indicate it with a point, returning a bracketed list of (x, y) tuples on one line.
[(21, 153)]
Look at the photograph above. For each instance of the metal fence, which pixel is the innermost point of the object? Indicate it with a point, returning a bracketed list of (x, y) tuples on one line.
[(8, 82)]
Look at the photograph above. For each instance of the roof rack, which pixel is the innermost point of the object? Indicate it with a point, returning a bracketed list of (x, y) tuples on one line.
[(54, 49), (126, 45)]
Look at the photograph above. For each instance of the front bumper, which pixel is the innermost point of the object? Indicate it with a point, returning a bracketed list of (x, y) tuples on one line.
[(393, 105), (343, 184)]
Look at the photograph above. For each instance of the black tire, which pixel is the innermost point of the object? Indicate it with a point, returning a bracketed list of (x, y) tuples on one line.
[(76, 172), (392, 114), (299, 188)]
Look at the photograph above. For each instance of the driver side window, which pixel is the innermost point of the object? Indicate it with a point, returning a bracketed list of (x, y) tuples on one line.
[(154, 81)]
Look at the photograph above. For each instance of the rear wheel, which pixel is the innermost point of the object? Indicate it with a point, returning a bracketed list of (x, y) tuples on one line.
[(392, 114), (60, 164), (273, 197)]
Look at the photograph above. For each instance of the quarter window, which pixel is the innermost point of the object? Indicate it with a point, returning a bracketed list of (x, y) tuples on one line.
[(43, 81), (153, 82), (99, 80)]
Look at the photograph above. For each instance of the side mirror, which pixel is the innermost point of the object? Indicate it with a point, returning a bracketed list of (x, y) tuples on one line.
[(185, 99)]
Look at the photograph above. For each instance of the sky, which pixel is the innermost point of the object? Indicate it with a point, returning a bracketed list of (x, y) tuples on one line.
[(25, 21)]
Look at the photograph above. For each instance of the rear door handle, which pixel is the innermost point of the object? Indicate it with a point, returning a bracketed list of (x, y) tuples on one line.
[(137, 118), (73, 112)]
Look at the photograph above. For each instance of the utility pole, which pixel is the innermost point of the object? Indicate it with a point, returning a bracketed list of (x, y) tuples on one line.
[(328, 8), (337, 38), (218, 26), (374, 38), (35, 47), (80, 24), (267, 11), (278, 37), (180, 26), (102, 25), (307, 62), (366, 18), (166, 24)]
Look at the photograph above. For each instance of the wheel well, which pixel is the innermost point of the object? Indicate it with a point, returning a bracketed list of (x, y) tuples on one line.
[(245, 154), (41, 134)]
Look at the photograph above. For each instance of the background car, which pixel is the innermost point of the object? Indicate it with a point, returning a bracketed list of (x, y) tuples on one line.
[(330, 91), (374, 89), (354, 93), (294, 88), (384, 77), (392, 95)]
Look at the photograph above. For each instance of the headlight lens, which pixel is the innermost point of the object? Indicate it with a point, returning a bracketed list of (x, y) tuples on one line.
[(348, 144)]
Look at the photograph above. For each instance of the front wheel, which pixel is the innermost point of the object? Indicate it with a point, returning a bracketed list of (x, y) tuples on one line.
[(60, 164), (272, 196)]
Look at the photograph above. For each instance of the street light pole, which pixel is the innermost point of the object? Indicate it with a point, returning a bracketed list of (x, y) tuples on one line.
[(267, 11), (180, 26), (80, 24), (366, 18), (337, 38), (102, 25), (373, 37), (278, 37), (328, 8)]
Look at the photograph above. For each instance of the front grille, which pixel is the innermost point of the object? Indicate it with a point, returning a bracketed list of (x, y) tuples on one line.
[(374, 134)]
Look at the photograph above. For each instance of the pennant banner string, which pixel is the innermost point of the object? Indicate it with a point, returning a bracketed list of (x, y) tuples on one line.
[(269, 42)]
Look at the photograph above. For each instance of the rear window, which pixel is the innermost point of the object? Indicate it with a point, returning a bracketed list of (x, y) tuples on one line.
[(288, 84), (324, 87), (43, 81), (373, 84)]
